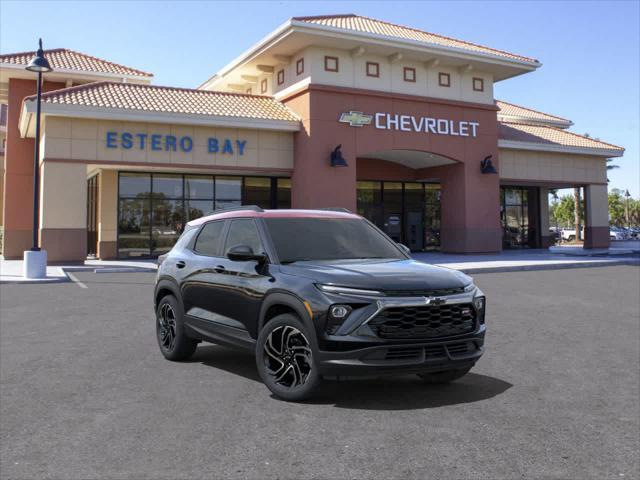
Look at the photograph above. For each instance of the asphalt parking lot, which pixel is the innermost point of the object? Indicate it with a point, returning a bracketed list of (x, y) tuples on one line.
[(85, 393)]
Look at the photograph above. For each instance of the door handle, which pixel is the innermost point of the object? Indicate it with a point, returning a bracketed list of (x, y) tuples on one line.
[(180, 264), (219, 269)]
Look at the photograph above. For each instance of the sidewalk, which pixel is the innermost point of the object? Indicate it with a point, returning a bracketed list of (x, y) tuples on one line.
[(506, 261), (519, 260), (11, 270)]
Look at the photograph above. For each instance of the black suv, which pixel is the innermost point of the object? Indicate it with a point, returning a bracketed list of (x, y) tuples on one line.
[(315, 293)]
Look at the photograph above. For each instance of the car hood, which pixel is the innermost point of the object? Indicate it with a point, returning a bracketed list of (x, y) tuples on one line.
[(379, 274)]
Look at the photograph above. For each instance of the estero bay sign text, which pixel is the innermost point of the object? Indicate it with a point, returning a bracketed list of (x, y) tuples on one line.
[(171, 143)]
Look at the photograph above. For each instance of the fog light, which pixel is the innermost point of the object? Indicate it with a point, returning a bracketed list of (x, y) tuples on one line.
[(339, 312), (335, 318)]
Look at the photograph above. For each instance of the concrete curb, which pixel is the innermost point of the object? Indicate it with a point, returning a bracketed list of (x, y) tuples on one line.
[(556, 266)]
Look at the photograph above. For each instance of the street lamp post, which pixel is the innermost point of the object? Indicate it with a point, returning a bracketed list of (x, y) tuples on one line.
[(35, 260)]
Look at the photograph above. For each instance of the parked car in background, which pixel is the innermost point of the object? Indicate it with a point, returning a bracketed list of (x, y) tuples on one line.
[(569, 234), (618, 234)]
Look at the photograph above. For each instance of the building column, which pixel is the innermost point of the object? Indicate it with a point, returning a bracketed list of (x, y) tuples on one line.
[(63, 211), (18, 173), (107, 214), (596, 216), (546, 240), (314, 182), (470, 209)]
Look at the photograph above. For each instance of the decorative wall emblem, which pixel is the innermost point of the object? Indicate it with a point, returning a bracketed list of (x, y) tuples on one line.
[(356, 119)]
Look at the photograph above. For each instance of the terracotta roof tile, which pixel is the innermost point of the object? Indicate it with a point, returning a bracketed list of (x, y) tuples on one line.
[(379, 27), (517, 132), (152, 98), (513, 110), (65, 59)]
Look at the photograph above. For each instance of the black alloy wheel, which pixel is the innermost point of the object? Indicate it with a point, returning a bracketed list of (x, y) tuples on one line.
[(287, 355), (167, 327), (172, 339), (284, 357)]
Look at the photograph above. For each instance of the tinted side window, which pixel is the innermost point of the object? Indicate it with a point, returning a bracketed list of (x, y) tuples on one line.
[(244, 232), (208, 242)]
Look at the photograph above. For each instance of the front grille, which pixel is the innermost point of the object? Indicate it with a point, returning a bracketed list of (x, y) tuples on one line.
[(441, 292), (424, 321)]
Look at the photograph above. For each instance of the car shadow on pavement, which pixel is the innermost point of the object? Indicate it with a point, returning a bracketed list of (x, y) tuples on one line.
[(405, 392)]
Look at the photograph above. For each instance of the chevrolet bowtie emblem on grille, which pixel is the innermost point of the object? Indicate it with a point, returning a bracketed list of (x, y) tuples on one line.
[(356, 119), (434, 301)]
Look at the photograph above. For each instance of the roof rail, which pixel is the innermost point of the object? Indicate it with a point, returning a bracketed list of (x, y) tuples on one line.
[(253, 208), (335, 209)]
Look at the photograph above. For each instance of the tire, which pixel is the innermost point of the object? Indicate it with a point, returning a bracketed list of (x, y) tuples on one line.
[(285, 361), (571, 238), (444, 377), (174, 343)]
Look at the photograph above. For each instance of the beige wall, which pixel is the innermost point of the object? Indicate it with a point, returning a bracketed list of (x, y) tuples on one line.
[(63, 195), (552, 167), (352, 73), (108, 206), (80, 139)]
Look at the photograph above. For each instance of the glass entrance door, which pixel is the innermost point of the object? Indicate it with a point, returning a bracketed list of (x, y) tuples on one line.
[(409, 212), (92, 216), (519, 217)]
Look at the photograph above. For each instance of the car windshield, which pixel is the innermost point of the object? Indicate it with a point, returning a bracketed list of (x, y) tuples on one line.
[(300, 239)]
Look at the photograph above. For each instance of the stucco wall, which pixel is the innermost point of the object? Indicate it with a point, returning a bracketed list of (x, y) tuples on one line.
[(85, 140), (352, 73), (551, 167)]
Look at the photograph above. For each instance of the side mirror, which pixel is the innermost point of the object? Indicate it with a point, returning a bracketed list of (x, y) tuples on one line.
[(244, 253), (404, 248)]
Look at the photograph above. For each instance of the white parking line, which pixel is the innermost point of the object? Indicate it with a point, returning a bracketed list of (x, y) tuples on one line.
[(75, 280)]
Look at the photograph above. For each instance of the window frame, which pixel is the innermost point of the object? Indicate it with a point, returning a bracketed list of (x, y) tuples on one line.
[(280, 76), (480, 82), (300, 66), (377, 67), (264, 85), (444, 75), (327, 59), (407, 70), (223, 235)]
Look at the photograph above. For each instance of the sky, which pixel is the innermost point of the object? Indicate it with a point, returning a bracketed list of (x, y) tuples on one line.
[(590, 51)]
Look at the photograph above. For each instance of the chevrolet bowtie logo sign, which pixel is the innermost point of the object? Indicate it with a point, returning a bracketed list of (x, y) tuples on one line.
[(355, 119)]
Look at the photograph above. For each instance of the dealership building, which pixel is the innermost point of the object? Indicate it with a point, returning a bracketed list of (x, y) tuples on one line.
[(398, 124)]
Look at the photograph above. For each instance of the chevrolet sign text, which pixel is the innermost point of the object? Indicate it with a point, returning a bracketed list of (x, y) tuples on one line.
[(438, 126)]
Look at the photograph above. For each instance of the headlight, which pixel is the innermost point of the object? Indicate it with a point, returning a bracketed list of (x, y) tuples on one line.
[(479, 303), (349, 291)]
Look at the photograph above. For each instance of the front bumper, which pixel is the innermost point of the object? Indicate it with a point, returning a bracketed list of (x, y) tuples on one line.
[(405, 357)]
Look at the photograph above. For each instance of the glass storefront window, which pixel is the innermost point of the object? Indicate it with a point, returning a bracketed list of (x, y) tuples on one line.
[(257, 191), (283, 194), (167, 186), (228, 192), (135, 184), (134, 227), (167, 224), (154, 208), (198, 208), (198, 188)]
